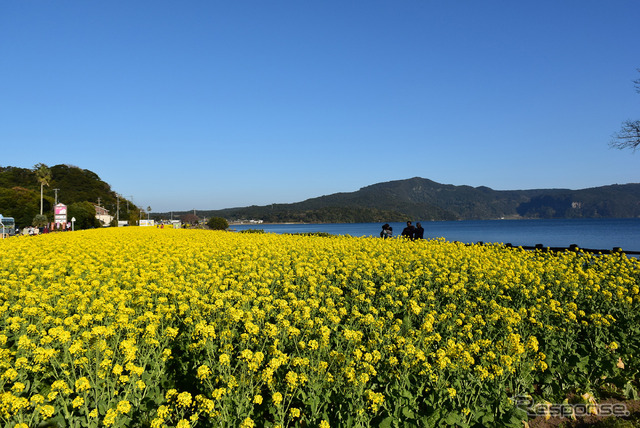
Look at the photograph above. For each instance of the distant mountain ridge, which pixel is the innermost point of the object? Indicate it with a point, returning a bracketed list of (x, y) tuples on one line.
[(423, 199), (400, 200)]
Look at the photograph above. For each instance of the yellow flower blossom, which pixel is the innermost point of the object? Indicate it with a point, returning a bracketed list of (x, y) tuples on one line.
[(204, 372), (47, 411), (110, 417), (77, 402), (124, 406), (82, 384), (247, 423), (184, 399)]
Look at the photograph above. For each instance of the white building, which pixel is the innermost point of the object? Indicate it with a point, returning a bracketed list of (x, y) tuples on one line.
[(102, 214)]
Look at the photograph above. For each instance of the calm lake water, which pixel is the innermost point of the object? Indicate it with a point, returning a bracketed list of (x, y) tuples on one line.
[(602, 234)]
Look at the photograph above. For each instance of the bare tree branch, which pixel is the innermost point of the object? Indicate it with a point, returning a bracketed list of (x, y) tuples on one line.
[(628, 137)]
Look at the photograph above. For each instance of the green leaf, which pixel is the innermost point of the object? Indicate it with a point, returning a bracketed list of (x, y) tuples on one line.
[(515, 421), (408, 413), (406, 394), (487, 418), (583, 362), (430, 421), (453, 418), (386, 422), (430, 399), (630, 391)]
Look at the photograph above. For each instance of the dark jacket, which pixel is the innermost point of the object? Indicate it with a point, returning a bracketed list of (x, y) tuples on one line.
[(408, 232)]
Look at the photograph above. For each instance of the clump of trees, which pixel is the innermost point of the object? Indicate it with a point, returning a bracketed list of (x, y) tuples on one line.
[(40, 220), (85, 215), (21, 204), (218, 223), (190, 219)]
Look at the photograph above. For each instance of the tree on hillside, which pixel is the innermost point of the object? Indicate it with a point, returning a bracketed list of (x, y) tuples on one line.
[(629, 135), (43, 174), (190, 219), (218, 223), (81, 185), (85, 215), (40, 220), (134, 216), (19, 203)]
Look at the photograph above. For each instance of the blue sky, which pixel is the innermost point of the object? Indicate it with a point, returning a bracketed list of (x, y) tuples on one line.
[(216, 104)]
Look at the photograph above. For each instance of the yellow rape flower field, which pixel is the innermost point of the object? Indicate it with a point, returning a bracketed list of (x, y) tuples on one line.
[(147, 327)]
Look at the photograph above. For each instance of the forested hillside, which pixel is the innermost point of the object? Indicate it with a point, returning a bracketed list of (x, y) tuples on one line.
[(78, 188), (423, 199)]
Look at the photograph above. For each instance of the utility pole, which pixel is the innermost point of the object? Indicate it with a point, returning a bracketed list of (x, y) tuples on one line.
[(56, 190), (132, 204), (118, 209)]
